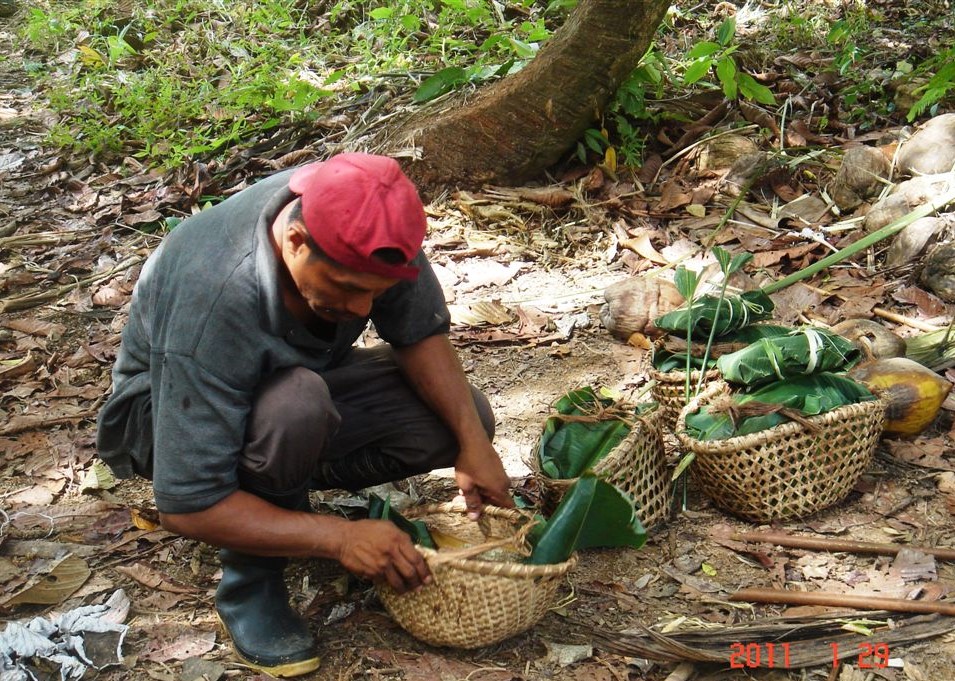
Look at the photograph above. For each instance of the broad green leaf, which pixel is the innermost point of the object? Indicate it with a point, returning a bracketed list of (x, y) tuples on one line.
[(443, 81), (726, 72), (751, 89), (724, 315), (800, 352), (726, 31), (811, 395), (380, 509), (686, 281), (697, 70), (592, 513), (705, 48), (723, 257), (739, 260), (567, 448), (381, 12)]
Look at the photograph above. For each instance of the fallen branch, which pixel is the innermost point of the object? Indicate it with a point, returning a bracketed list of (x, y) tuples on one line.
[(837, 545), (837, 600), (29, 300)]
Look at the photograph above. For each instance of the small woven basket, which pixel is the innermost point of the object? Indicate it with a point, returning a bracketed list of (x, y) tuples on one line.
[(669, 387), (476, 602), (637, 466), (788, 471)]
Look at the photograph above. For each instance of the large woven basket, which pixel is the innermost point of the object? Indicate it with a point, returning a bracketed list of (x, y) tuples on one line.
[(637, 466), (788, 471), (476, 602), (669, 388)]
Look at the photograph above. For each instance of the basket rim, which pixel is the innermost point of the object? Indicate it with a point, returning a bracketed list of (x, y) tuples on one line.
[(735, 444), (648, 421), (675, 376), (488, 567)]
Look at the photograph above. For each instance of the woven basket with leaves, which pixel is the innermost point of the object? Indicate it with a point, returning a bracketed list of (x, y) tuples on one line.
[(637, 465), (481, 594), (788, 471), (668, 388)]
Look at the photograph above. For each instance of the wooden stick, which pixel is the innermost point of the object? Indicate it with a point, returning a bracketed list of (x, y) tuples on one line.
[(835, 545), (757, 595), (879, 312)]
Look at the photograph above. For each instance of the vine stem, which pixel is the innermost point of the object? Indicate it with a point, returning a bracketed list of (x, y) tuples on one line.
[(892, 228)]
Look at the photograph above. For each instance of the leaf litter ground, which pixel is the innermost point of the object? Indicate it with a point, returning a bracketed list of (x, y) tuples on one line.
[(525, 272)]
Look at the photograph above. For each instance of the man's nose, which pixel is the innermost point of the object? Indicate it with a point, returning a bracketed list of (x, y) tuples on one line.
[(360, 304)]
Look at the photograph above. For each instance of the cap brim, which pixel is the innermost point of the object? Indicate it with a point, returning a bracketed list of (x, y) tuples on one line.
[(302, 177)]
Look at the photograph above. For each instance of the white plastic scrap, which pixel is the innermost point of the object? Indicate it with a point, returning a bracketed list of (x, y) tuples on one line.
[(62, 641)]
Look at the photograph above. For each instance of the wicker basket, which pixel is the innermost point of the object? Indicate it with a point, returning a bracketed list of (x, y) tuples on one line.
[(787, 471), (637, 466), (473, 602), (669, 388)]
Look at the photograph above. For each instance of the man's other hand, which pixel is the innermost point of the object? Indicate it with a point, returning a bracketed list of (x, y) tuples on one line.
[(377, 550), (482, 480)]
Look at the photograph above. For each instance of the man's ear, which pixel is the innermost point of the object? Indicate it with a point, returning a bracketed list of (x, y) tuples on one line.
[(297, 236)]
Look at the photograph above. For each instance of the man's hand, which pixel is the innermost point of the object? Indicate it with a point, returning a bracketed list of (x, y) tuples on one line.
[(379, 551), (482, 480)]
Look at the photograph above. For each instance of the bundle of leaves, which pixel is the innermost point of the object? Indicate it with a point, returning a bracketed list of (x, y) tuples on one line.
[(666, 360), (717, 316), (584, 430), (592, 513), (792, 399), (798, 353)]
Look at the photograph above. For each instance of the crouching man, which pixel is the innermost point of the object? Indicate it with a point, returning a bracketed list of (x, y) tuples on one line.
[(237, 388)]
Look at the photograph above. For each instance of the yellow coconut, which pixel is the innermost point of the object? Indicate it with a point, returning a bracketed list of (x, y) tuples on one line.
[(912, 392)]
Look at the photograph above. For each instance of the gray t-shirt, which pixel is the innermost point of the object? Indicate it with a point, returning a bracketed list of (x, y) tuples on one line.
[(207, 326)]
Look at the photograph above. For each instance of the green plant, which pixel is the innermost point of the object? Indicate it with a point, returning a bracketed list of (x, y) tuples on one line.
[(707, 55), (941, 83)]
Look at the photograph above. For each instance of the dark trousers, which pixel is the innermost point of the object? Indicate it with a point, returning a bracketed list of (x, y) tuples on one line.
[(354, 426)]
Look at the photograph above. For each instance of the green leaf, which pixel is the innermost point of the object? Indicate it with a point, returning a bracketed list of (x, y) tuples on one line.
[(726, 31), (567, 448), (381, 13), (697, 70), (751, 89), (705, 48), (683, 465), (812, 395), (800, 352), (724, 314), (686, 281), (443, 81), (380, 509), (592, 513), (726, 72)]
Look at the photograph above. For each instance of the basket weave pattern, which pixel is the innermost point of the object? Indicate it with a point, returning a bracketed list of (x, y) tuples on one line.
[(471, 602), (637, 466), (787, 471), (669, 388)]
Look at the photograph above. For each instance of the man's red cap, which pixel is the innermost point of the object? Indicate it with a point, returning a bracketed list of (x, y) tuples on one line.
[(355, 204)]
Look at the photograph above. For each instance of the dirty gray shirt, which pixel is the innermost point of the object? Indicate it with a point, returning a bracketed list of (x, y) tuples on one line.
[(207, 326)]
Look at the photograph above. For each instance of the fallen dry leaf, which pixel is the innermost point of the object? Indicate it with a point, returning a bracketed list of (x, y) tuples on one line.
[(177, 642), (154, 579)]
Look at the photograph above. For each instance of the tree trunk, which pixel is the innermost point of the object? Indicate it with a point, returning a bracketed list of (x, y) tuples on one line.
[(514, 129)]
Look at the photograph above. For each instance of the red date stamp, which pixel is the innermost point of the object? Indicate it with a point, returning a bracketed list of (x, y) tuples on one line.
[(777, 655)]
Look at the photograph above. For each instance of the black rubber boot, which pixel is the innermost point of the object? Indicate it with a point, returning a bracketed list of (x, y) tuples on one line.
[(253, 606), (358, 470)]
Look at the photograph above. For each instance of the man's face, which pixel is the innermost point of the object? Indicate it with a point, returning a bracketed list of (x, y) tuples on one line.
[(332, 292)]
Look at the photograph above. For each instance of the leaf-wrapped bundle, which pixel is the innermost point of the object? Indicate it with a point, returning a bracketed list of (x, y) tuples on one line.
[(665, 360), (809, 395), (586, 429), (724, 315), (800, 352)]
